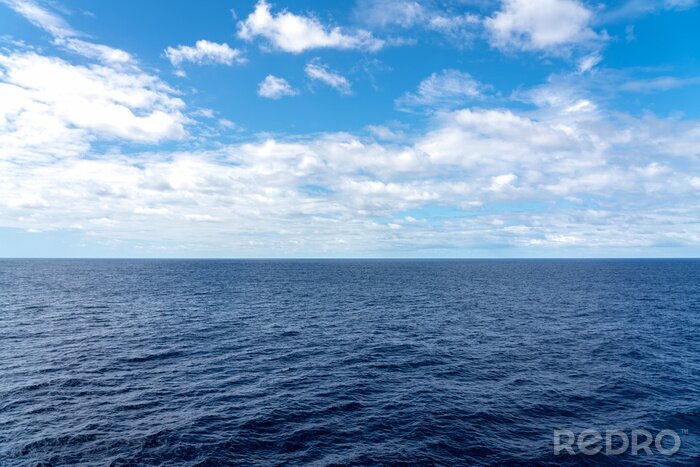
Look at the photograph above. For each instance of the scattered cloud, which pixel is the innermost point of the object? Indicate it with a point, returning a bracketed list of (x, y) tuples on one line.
[(544, 25), (64, 35), (395, 132), (42, 18), (365, 192), (204, 52), (459, 26), (588, 62), (227, 124), (293, 33), (344, 191), (78, 151), (274, 87), (44, 96), (383, 13), (317, 71), (631, 9), (99, 52), (206, 113), (662, 83), (447, 89), (584, 92)]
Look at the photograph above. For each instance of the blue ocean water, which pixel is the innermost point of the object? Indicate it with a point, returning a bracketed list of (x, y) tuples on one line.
[(175, 362)]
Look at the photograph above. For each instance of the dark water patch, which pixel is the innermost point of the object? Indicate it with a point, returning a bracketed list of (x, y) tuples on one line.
[(149, 357), (343, 362)]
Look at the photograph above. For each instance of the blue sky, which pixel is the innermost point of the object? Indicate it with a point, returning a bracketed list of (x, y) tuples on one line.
[(371, 128)]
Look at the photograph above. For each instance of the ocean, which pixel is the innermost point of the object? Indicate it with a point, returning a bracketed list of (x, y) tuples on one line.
[(362, 362)]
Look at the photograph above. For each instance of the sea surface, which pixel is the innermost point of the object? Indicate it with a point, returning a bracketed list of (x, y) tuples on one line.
[(464, 362)]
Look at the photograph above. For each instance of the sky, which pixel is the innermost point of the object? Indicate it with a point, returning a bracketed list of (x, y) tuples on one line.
[(366, 128)]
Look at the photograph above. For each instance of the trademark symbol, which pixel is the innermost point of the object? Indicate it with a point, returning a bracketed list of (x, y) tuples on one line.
[(684, 431)]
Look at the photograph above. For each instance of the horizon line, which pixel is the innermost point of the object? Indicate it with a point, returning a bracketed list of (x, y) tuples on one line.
[(349, 258)]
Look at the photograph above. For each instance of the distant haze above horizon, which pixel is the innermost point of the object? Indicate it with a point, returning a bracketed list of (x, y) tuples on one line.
[(369, 128)]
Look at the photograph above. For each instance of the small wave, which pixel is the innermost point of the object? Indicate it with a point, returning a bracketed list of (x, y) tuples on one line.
[(153, 357)]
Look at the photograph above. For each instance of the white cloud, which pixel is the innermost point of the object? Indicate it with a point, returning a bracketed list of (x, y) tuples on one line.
[(458, 26), (502, 182), (385, 133), (662, 83), (319, 72), (65, 36), (474, 138), (95, 51), (274, 87), (582, 105), (204, 52), (449, 88), (339, 193), (364, 190), (680, 4), (547, 25), (602, 179), (46, 97), (54, 109), (382, 13), (42, 18), (631, 9), (204, 112), (294, 33), (226, 123), (588, 62)]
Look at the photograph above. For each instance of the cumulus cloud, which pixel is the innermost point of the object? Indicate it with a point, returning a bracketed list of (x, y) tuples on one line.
[(204, 52), (48, 98), (293, 33), (474, 137), (545, 25), (446, 89), (339, 192), (54, 109), (319, 72), (274, 87)]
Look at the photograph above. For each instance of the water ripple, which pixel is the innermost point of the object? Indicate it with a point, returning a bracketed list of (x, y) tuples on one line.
[(144, 362)]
